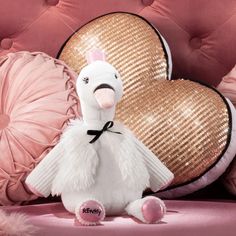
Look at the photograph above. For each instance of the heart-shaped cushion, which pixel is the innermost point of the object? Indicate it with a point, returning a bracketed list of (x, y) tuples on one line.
[(37, 99), (186, 124)]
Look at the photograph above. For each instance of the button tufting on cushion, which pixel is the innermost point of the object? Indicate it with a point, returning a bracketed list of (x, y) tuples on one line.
[(52, 2), (195, 43), (177, 21), (6, 43), (147, 2), (4, 121)]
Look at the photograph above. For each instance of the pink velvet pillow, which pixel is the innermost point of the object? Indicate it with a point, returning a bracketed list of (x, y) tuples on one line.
[(37, 99), (229, 179), (228, 88)]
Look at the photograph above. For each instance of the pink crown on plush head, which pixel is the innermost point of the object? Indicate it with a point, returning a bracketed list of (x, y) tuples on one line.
[(95, 55)]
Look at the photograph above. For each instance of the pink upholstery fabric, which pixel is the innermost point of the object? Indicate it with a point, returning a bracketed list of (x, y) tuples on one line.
[(183, 218), (201, 34), (228, 86), (229, 179), (44, 25), (37, 99)]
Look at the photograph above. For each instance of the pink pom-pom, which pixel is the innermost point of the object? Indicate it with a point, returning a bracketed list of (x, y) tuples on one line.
[(95, 55), (16, 224)]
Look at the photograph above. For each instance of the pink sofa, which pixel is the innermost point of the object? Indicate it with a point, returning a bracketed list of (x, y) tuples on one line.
[(201, 37), (200, 33)]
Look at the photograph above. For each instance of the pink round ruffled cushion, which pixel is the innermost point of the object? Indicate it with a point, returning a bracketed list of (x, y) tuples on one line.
[(37, 99), (228, 88)]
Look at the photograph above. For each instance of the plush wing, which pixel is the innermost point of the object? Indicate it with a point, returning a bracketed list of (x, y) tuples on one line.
[(77, 170), (160, 175), (40, 179), (77, 167), (70, 166)]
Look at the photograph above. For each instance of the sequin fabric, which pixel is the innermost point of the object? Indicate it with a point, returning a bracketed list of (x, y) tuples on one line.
[(184, 123)]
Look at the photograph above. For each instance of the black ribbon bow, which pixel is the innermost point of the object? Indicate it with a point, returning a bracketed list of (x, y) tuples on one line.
[(98, 133)]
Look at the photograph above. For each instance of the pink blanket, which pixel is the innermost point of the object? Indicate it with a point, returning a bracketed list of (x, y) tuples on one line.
[(184, 218)]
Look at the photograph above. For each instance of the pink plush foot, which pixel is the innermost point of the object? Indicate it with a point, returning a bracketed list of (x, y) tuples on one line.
[(90, 213), (153, 210)]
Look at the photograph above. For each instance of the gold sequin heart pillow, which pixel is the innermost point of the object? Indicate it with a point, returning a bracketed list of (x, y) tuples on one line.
[(189, 126)]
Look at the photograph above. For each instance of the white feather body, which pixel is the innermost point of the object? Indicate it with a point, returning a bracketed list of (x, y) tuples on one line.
[(111, 170)]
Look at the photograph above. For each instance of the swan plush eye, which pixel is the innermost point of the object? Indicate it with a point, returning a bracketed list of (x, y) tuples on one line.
[(116, 76), (86, 80)]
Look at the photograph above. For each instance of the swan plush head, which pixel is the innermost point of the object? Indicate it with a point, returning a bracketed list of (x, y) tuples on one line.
[(99, 85)]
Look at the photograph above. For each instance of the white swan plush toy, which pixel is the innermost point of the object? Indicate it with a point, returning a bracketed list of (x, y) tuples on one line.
[(98, 167)]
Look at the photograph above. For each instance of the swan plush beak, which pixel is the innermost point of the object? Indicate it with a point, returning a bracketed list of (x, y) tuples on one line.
[(105, 96)]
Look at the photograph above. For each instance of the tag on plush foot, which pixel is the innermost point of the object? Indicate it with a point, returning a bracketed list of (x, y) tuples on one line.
[(90, 213)]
